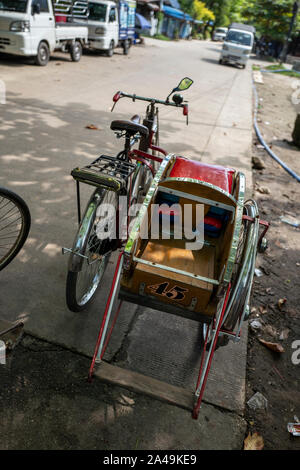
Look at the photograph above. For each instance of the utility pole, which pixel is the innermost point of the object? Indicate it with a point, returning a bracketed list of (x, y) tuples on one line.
[(286, 44)]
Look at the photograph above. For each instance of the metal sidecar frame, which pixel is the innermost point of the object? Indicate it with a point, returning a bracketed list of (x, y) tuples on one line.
[(228, 290)]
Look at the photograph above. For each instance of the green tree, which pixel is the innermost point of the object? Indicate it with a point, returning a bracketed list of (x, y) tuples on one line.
[(227, 11), (199, 11), (221, 9), (236, 11), (271, 18), (186, 5)]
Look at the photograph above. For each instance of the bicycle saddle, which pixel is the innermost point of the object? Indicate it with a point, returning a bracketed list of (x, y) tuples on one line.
[(130, 127)]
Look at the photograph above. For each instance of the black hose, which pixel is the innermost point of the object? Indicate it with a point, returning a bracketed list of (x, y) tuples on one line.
[(270, 152)]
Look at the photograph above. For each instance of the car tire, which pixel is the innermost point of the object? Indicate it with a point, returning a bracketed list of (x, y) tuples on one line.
[(110, 51), (126, 47), (221, 61), (76, 51), (43, 54)]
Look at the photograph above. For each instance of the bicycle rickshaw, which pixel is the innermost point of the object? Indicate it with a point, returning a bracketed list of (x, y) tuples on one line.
[(190, 250)]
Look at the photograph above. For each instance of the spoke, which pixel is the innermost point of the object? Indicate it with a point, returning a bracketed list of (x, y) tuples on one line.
[(4, 235), (10, 216), (13, 208), (90, 275), (8, 225), (6, 202)]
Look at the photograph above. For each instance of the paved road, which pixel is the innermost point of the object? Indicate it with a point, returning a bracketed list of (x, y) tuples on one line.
[(43, 136)]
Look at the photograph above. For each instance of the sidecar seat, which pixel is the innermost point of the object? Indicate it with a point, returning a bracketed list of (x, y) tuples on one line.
[(215, 218)]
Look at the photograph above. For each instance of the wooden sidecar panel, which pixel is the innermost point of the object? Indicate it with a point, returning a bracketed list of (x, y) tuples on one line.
[(166, 272), (173, 287)]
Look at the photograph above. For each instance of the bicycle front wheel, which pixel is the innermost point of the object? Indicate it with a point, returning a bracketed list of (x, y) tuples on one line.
[(91, 251), (15, 223)]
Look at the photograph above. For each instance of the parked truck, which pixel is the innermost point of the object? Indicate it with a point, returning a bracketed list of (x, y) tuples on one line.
[(238, 44), (34, 28), (111, 24)]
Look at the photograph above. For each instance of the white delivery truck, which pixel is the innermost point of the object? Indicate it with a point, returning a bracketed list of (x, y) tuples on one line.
[(111, 24), (238, 44), (32, 28), (103, 24), (219, 34)]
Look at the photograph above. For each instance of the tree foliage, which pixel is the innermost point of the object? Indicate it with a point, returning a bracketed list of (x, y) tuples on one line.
[(200, 11), (270, 17), (186, 5)]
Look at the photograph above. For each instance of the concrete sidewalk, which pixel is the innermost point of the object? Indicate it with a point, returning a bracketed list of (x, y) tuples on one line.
[(46, 403), (45, 135)]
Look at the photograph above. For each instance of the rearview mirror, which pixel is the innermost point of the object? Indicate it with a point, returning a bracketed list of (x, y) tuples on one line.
[(184, 84)]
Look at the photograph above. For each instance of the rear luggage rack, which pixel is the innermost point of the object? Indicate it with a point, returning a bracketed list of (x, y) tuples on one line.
[(105, 172)]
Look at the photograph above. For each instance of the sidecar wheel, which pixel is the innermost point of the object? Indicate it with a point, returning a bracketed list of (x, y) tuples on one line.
[(242, 276)]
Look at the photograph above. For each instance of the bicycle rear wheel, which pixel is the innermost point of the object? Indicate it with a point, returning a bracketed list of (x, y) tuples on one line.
[(15, 223), (91, 252)]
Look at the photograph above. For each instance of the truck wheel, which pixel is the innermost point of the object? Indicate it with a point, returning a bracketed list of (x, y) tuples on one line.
[(125, 47), (110, 51), (43, 54), (220, 61), (76, 51)]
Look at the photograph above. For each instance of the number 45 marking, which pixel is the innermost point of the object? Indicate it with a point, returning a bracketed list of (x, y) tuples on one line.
[(175, 293)]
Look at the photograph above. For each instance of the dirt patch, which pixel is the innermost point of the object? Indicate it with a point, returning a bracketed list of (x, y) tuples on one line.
[(276, 293)]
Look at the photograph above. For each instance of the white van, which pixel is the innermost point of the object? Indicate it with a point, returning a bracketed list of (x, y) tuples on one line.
[(237, 45), (219, 34), (111, 24), (103, 24), (29, 28)]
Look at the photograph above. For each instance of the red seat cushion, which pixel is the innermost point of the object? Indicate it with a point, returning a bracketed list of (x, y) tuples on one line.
[(213, 222), (217, 175)]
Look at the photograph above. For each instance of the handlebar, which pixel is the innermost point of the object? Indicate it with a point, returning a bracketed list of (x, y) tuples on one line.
[(134, 97)]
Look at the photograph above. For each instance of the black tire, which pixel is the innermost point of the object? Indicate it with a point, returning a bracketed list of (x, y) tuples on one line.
[(220, 61), (155, 153), (88, 244), (240, 299), (15, 223), (126, 47), (76, 51), (146, 180), (146, 174), (43, 54), (110, 51)]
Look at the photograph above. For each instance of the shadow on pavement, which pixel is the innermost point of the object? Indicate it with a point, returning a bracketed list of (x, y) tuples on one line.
[(53, 139), (47, 403)]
